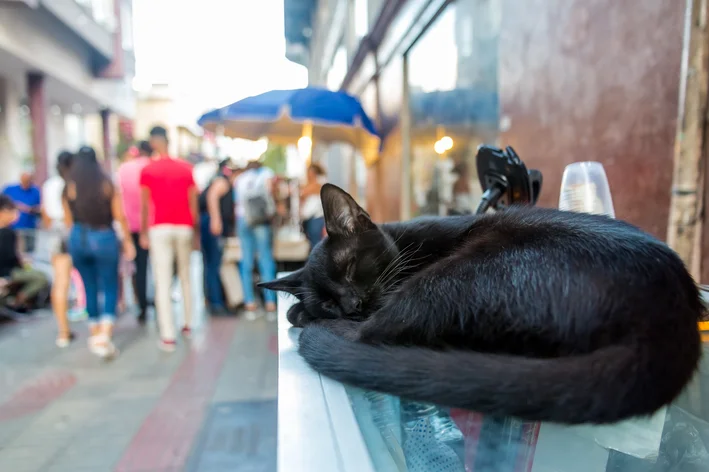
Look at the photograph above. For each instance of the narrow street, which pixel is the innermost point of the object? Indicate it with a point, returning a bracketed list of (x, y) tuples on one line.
[(66, 410)]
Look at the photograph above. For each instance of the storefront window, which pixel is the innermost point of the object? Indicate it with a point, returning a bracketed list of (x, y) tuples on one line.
[(453, 102)]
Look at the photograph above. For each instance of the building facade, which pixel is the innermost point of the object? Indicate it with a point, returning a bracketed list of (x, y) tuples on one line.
[(159, 106), (559, 80), (66, 71)]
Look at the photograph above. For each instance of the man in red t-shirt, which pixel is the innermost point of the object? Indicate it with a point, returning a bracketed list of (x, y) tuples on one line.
[(167, 186)]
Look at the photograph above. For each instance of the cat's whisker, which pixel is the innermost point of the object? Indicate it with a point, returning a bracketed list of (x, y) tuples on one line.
[(393, 263), (393, 243), (404, 264)]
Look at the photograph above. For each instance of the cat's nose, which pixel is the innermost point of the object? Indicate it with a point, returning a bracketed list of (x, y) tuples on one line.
[(352, 305)]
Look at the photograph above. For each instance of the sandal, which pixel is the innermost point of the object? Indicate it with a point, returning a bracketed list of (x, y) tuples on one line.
[(63, 340), (102, 346)]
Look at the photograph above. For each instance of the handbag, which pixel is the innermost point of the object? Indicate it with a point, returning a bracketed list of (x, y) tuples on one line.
[(232, 250), (290, 245)]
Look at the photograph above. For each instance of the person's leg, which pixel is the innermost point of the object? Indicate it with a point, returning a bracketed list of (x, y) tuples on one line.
[(211, 257), (32, 281), (308, 229), (216, 265), (248, 252), (204, 250), (140, 277), (183, 250), (162, 257), (107, 258), (87, 270), (318, 229), (263, 236), (101, 249), (61, 268), (121, 302)]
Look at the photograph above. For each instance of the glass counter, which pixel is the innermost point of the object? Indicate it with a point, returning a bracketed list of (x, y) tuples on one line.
[(325, 426)]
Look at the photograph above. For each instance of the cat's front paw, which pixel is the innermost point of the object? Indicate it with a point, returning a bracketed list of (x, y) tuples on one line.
[(298, 317), (294, 315)]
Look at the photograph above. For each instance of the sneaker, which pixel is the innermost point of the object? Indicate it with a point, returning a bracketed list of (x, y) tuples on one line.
[(271, 317), (142, 317), (252, 315), (186, 332), (167, 345)]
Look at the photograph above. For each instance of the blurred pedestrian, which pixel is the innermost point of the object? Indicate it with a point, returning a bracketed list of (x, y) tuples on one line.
[(217, 222), (53, 216), (135, 160), (13, 270), (27, 198), (462, 203), (311, 206), (255, 209), (168, 186), (203, 172), (92, 203)]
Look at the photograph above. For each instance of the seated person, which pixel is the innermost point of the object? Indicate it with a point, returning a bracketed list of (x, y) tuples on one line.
[(28, 282)]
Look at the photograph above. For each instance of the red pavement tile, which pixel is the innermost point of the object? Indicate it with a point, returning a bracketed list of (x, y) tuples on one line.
[(37, 395), (166, 436)]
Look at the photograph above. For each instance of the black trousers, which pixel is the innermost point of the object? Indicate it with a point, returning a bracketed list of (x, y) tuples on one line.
[(140, 278)]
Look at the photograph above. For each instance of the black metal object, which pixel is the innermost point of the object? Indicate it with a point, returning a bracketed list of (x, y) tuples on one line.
[(505, 179)]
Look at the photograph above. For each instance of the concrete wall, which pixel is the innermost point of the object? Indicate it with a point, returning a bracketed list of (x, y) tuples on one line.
[(157, 111), (43, 44), (15, 144), (595, 80)]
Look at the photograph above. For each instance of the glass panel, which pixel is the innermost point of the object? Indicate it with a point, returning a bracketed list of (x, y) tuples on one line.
[(361, 20), (454, 106), (338, 69), (404, 436)]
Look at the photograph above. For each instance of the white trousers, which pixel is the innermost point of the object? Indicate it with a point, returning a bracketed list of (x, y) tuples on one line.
[(170, 243)]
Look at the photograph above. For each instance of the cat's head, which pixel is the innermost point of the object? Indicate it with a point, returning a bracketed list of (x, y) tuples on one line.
[(340, 278)]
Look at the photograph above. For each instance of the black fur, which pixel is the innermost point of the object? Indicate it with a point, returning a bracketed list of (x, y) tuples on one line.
[(536, 313)]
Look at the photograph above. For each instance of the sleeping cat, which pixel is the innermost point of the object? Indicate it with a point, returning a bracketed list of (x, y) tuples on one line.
[(535, 313)]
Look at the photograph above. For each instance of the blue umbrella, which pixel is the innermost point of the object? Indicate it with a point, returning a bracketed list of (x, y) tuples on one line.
[(283, 115)]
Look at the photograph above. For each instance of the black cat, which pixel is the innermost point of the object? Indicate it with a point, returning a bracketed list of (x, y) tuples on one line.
[(535, 313)]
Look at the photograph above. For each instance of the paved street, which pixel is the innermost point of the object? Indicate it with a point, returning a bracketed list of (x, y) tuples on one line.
[(208, 406)]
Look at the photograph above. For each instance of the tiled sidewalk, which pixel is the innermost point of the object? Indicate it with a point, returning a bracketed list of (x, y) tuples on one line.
[(66, 410)]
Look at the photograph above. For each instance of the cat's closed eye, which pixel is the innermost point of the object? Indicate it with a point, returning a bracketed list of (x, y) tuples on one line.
[(351, 270), (330, 305)]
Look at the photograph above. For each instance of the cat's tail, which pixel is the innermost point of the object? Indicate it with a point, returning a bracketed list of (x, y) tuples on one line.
[(603, 386)]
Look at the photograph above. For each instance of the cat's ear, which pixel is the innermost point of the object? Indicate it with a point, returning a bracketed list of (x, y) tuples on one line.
[(291, 283), (343, 217)]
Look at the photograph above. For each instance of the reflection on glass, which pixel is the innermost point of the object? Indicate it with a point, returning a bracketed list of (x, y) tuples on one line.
[(453, 105), (404, 436)]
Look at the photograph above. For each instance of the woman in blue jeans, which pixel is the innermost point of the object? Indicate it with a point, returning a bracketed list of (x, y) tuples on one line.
[(91, 206)]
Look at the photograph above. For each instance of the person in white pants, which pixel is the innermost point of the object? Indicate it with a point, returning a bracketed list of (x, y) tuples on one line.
[(168, 188)]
